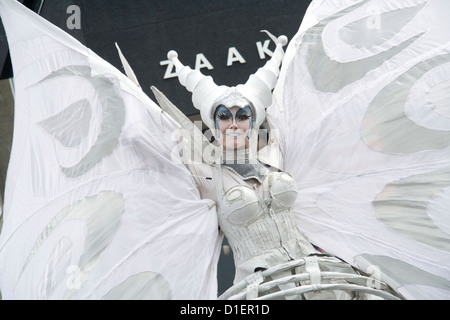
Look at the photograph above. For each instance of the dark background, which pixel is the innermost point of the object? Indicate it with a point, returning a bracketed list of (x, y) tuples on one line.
[(147, 29)]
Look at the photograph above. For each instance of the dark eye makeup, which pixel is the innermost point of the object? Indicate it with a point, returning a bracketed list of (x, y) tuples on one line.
[(223, 113)]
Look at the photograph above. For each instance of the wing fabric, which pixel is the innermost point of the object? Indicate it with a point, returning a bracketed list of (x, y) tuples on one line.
[(364, 120), (96, 206)]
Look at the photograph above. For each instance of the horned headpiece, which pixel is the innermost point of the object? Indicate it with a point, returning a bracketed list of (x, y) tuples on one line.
[(257, 91)]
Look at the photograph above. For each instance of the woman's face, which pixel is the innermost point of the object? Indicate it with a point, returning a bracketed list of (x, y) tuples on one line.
[(233, 125)]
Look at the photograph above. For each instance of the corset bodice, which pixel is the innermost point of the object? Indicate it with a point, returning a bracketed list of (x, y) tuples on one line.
[(259, 224)]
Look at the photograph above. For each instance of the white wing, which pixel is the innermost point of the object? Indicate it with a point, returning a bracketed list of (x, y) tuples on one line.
[(364, 118), (95, 206)]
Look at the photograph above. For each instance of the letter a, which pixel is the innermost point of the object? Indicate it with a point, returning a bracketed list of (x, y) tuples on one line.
[(74, 21), (202, 62), (233, 56)]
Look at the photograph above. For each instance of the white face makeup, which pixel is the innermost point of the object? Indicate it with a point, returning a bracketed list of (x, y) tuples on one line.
[(233, 126)]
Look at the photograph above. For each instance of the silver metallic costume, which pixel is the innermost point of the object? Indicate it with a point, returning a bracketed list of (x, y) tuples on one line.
[(255, 199)]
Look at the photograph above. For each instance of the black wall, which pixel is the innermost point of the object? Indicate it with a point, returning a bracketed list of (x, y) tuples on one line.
[(147, 29)]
